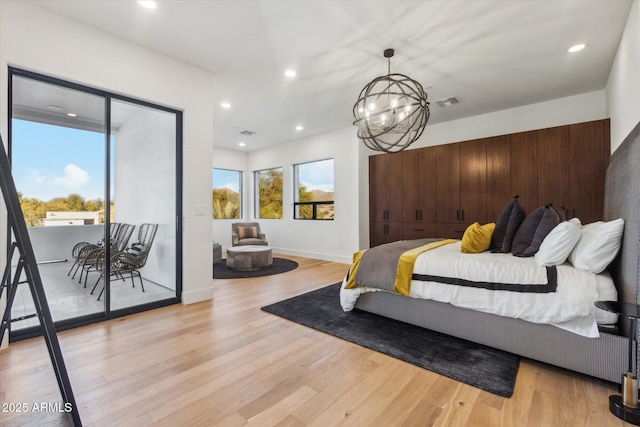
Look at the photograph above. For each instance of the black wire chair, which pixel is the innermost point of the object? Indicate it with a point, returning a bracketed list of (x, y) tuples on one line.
[(78, 252), (91, 255), (131, 260)]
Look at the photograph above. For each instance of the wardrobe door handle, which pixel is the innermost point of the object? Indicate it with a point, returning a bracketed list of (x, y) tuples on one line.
[(463, 214), (421, 214), (457, 214)]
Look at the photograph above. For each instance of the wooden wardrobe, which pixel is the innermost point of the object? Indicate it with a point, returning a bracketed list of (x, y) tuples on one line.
[(439, 191)]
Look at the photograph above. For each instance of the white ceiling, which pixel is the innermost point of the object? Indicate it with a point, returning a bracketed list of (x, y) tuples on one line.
[(491, 55)]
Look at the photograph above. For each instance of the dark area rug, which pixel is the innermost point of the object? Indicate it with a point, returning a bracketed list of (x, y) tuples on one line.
[(473, 364), (280, 265)]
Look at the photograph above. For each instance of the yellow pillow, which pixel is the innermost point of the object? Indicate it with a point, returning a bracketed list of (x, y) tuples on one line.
[(477, 238)]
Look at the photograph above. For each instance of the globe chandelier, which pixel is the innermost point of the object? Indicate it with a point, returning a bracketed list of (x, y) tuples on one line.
[(391, 112)]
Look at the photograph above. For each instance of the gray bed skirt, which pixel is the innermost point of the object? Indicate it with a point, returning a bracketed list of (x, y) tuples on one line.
[(605, 357)]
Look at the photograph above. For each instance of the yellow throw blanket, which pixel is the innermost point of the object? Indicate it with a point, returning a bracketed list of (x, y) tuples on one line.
[(402, 283)]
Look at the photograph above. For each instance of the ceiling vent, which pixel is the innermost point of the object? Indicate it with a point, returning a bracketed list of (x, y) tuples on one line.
[(247, 132), (447, 102)]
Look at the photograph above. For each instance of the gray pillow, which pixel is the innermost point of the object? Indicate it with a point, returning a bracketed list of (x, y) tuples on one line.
[(506, 226), (533, 230)]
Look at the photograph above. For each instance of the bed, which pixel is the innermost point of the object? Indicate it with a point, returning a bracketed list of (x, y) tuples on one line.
[(601, 354)]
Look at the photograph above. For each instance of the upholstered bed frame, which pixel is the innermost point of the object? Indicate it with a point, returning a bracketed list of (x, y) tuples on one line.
[(605, 357)]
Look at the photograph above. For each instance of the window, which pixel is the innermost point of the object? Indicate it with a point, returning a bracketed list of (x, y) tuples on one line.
[(227, 194), (269, 193), (313, 197)]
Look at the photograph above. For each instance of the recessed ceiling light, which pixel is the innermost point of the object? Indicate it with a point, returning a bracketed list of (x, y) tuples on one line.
[(149, 4), (299, 127), (576, 48), (290, 73), (225, 105), (54, 107), (241, 144), (72, 115)]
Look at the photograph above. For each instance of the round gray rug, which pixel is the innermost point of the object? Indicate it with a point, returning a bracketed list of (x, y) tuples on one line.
[(280, 265)]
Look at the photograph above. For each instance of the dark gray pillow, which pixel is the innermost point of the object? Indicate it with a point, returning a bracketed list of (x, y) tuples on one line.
[(533, 230), (506, 226)]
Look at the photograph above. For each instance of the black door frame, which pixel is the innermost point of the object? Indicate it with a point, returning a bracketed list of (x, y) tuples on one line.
[(30, 332)]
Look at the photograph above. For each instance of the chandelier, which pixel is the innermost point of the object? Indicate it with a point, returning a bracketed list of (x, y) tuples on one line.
[(391, 112)]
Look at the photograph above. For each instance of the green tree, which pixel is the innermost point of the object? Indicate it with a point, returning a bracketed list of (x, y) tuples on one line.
[(305, 211), (226, 204), (270, 193), (94, 205), (75, 203), (33, 210)]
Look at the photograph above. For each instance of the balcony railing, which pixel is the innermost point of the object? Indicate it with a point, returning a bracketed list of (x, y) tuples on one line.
[(322, 211)]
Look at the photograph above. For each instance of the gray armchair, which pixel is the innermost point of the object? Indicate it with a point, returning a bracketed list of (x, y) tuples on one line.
[(247, 233)]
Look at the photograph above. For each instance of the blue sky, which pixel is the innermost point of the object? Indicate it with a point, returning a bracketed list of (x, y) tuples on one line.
[(314, 175), (223, 178), (317, 175), (54, 161)]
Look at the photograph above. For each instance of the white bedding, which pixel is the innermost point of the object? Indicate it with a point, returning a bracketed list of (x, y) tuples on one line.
[(571, 307)]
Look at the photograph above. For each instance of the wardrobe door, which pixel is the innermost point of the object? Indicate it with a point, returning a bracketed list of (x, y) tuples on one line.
[(393, 186), (448, 183), (385, 198), (377, 188), (588, 142), (473, 181), (498, 174), (553, 167), (524, 169), (419, 185)]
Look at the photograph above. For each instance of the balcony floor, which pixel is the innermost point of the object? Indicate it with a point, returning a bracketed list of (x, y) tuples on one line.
[(68, 299)]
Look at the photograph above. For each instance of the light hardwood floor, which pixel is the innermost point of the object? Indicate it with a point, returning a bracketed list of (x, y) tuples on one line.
[(227, 363)]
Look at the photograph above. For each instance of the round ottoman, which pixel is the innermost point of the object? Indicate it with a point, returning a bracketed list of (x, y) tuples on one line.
[(249, 258)]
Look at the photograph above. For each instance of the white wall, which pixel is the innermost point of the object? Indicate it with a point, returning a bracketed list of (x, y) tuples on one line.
[(238, 161), (329, 240), (623, 87), (38, 40)]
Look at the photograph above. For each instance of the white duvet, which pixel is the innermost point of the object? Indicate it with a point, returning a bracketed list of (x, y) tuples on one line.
[(571, 307)]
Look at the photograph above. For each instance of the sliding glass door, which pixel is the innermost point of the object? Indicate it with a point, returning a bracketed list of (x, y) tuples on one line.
[(98, 177), (144, 166)]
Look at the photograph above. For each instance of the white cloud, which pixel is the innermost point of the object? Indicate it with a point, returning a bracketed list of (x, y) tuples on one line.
[(74, 177), (34, 177)]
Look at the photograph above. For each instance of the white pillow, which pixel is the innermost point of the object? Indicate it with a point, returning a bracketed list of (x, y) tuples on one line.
[(558, 244), (598, 245)]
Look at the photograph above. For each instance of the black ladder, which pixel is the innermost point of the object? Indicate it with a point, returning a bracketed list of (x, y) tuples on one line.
[(27, 264)]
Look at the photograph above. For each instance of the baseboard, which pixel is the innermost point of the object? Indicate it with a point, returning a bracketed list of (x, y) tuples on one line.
[(197, 295)]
